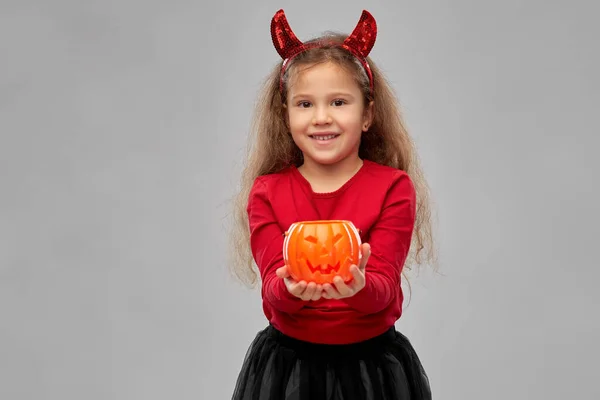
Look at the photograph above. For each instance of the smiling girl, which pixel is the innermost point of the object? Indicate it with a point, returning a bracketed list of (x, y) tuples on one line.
[(330, 144)]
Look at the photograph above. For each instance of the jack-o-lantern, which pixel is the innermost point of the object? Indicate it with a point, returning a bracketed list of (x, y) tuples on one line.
[(317, 251)]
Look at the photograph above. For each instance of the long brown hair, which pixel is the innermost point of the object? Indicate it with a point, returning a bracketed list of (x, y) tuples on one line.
[(271, 149)]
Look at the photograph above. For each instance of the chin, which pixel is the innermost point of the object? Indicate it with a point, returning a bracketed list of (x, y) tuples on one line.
[(328, 160)]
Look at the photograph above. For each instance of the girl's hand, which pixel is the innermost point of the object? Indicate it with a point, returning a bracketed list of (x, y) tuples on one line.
[(340, 289), (302, 290)]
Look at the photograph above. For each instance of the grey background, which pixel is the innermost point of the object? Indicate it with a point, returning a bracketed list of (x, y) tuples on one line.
[(121, 127)]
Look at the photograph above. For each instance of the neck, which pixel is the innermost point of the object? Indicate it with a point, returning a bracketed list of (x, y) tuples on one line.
[(342, 169)]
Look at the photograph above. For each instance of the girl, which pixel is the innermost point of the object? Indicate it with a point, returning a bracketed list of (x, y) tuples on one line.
[(331, 144)]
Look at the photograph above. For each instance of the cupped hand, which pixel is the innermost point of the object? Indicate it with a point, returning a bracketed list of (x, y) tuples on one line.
[(340, 289), (302, 289)]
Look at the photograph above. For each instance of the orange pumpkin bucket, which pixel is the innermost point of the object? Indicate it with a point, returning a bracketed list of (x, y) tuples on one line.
[(317, 251)]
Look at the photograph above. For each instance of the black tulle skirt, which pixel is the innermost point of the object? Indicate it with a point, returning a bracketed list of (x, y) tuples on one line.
[(278, 367)]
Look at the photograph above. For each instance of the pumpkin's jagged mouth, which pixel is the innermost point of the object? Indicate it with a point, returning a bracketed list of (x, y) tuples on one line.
[(323, 268)]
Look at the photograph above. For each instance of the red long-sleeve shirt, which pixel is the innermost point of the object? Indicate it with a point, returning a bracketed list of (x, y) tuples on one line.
[(381, 203)]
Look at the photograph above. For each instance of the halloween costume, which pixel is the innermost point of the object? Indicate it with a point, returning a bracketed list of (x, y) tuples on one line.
[(348, 347), (359, 42), (333, 349), (380, 201)]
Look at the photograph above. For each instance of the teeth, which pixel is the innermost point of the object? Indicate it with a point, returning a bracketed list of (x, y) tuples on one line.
[(324, 137)]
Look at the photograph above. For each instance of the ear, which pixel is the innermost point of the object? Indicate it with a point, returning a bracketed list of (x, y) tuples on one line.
[(368, 117)]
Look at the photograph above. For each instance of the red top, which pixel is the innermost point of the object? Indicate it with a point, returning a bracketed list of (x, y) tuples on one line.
[(380, 202)]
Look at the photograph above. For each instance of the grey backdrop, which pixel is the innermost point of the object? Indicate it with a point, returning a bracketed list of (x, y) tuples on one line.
[(122, 123)]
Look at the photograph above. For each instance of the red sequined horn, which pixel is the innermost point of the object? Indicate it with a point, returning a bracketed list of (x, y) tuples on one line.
[(285, 41), (359, 42), (362, 39)]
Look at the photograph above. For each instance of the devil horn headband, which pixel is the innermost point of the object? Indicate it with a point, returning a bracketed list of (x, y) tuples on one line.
[(359, 42)]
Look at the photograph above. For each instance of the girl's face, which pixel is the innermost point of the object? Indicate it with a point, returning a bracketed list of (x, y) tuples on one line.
[(326, 114)]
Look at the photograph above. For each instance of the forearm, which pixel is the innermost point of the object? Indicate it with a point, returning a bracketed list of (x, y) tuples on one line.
[(378, 293), (275, 292)]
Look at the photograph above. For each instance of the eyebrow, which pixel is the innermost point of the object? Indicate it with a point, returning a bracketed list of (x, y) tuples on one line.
[(334, 94)]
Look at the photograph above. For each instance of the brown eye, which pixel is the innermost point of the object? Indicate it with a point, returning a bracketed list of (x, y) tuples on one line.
[(339, 102), (304, 104)]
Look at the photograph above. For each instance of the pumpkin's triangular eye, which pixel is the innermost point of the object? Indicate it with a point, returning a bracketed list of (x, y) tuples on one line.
[(337, 237), (312, 239)]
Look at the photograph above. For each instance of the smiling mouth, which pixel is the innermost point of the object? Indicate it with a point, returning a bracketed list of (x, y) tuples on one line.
[(324, 138), (323, 268)]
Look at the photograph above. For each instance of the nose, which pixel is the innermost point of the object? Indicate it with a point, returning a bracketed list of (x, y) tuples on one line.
[(321, 116)]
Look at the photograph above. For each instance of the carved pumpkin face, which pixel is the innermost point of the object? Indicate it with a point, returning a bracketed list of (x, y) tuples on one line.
[(317, 251)]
